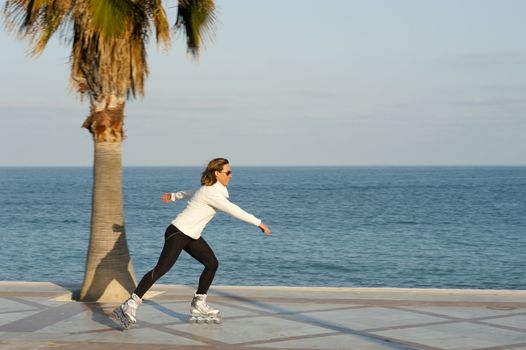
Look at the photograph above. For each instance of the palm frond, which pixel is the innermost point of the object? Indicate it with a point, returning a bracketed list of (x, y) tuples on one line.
[(110, 17), (197, 19), (108, 37), (110, 63), (36, 20), (158, 16)]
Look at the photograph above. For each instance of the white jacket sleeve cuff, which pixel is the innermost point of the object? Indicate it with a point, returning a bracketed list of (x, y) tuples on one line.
[(182, 195)]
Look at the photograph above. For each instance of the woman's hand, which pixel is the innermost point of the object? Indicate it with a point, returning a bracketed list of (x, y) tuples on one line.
[(264, 228), (166, 197)]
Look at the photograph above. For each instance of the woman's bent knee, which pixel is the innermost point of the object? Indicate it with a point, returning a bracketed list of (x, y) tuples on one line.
[(212, 265)]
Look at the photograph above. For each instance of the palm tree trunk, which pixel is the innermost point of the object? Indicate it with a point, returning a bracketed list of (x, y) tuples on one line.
[(109, 274)]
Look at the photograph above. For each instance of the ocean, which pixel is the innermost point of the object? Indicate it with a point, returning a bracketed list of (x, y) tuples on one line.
[(421, 227)]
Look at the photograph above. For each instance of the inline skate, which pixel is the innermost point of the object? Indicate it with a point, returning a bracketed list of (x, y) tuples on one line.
[(125, 313), (201, 312)]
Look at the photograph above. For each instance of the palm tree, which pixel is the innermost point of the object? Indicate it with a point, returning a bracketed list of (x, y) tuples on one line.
[(108, 65)]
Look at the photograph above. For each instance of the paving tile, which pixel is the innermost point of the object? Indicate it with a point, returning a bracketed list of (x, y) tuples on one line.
[(518, 321), (367, 318), (334, 342), (23, 338), (81, 329), (464, 312), (287, 307), (163, 312), (83, 322), (7, 318), (44, 318), (457, 336), (10, 305), (137, 335), (22, 345), (250, 329)]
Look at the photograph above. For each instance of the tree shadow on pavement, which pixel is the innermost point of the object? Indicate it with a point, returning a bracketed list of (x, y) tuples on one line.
[(112, 267)]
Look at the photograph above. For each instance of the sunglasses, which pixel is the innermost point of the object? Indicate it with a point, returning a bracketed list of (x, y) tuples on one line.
[(228, 173)]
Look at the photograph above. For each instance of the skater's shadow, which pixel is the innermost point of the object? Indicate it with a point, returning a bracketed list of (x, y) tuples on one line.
[(167, 311), (102, 314)]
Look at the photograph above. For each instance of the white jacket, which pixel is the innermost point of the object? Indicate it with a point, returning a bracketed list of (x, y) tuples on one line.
[(202, 207)]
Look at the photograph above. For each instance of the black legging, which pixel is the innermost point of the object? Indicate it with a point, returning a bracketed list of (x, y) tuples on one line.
[(174, 242)]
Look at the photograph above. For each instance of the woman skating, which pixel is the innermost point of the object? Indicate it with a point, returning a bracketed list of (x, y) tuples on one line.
[(184, 233)]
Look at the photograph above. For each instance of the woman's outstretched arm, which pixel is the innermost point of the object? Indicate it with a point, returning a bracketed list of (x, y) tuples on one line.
[(176, 196)]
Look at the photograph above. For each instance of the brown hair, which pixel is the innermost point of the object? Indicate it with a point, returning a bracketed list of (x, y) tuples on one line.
[(208, 178)]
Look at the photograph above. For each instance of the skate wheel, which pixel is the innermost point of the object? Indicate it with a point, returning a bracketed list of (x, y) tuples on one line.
[(122, 319), (196, 319), (199, 319)]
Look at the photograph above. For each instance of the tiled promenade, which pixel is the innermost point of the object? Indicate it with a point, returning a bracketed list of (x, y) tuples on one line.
[(42, 316)]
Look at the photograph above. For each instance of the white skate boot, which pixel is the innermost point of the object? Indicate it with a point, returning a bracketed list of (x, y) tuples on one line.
[(125, 313), (201, 312)]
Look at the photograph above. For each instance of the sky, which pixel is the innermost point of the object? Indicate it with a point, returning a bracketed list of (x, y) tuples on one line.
[(298, 82)]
